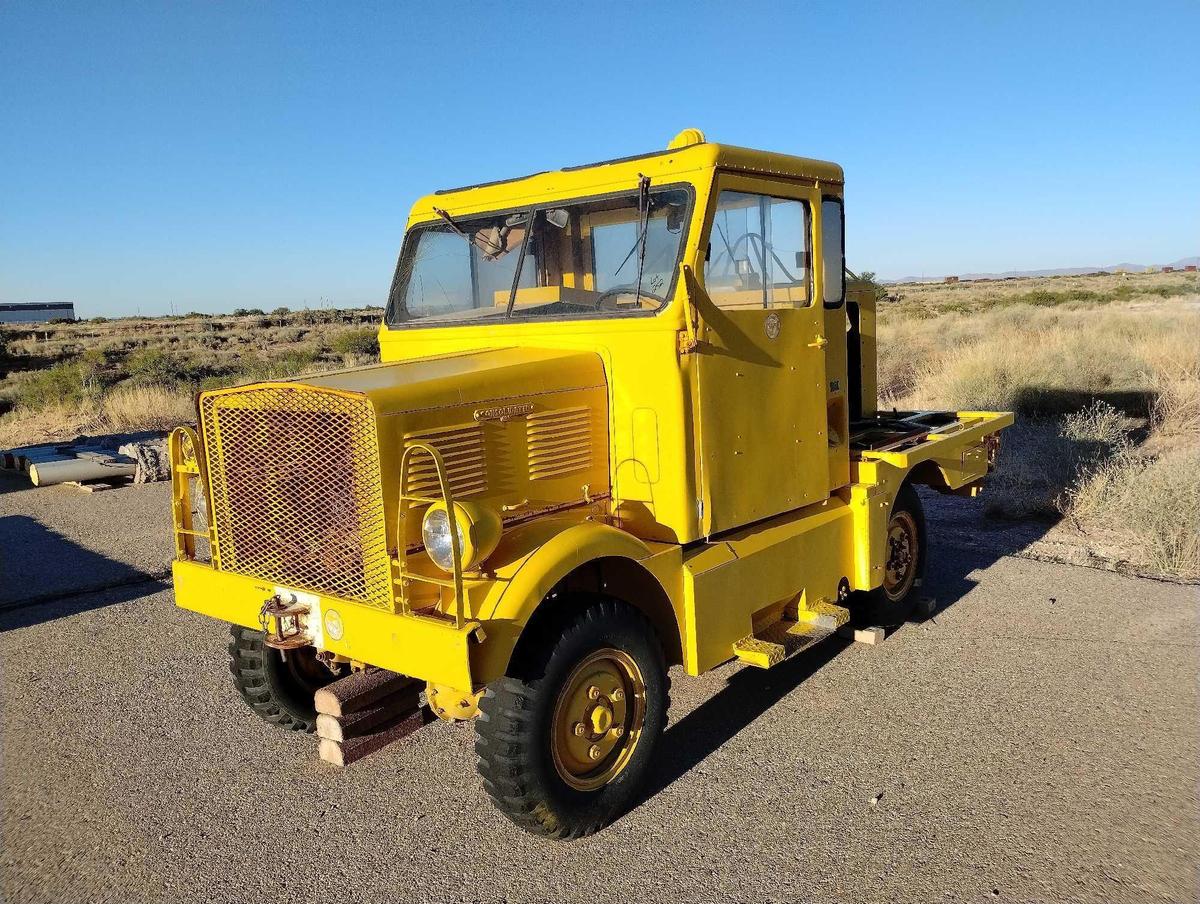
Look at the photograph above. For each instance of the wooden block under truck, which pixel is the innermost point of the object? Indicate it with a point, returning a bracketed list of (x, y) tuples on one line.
[(625, 419)]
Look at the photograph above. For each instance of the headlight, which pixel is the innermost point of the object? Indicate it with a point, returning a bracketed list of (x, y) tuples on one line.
[(478, 529)]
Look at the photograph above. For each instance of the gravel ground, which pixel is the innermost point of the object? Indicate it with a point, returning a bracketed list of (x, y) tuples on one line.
[(59, 539), (1035, 740)]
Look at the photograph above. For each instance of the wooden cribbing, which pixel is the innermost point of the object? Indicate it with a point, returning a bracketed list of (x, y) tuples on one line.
[(369, 718), (343, 753), (366, 711), (360, 689)]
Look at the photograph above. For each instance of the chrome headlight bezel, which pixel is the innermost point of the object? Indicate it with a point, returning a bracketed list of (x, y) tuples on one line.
[(479, 528)]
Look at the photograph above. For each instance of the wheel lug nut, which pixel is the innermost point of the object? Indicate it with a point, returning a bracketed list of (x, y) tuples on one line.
[(618, 695), (594, 752), (593, 693), (618, 732), (579, 729)]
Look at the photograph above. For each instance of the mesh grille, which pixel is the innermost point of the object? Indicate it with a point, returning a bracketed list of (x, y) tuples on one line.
[(296, 491), (559, 442)]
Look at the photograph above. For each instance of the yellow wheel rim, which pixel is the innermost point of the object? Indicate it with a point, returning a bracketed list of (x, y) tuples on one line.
[(902, 550), (598, 719)]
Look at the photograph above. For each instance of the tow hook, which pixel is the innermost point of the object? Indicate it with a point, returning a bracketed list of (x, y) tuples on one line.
[(284, 621)]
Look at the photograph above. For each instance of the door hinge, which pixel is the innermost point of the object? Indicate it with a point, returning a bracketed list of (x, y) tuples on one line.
[(687, 343)]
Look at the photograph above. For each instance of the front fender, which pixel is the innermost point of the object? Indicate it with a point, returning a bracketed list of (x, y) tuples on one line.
[(506, 612)]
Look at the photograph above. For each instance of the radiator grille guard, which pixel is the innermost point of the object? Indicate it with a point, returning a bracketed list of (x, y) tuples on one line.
[(296, 490)]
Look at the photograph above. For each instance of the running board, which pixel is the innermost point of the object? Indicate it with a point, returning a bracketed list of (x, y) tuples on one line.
[(796, 631)]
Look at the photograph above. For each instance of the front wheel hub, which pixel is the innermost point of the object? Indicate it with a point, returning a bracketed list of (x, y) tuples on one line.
[(900, 567), (598, 719)]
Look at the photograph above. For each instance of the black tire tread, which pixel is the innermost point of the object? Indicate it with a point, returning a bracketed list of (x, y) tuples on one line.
[(247, 664), (504, 740)]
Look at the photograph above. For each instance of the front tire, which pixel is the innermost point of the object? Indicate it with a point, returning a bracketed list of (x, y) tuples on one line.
[(565, 739), (280, 689)]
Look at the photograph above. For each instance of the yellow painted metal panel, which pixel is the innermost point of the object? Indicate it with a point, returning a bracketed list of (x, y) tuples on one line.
[(761, 398), (837, 403), (806, 552), (423, 648)]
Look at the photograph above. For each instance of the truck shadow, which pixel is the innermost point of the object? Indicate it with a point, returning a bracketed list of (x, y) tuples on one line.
[(45, 575), (750, 693)]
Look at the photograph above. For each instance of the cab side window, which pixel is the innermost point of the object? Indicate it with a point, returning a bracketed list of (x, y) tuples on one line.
[(833, 251), (758, 252)]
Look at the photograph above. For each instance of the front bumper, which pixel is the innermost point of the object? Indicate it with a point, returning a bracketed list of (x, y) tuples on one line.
[(418, 646)]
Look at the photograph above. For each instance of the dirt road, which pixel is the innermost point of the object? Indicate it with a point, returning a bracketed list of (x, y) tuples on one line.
[(1036, 740)]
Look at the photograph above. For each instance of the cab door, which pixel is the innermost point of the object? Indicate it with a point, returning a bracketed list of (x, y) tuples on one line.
[(760, 368)]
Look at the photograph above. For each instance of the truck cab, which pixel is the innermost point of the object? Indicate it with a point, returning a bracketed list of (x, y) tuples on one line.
[(624, 419)]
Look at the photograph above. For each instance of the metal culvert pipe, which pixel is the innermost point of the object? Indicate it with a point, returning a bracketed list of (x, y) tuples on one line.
[(48, 473)]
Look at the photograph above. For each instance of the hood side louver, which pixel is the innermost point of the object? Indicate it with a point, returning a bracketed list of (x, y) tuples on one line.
[(559, 442), (462, 449)]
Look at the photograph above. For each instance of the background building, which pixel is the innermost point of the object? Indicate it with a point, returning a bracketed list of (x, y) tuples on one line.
[(37, 312)]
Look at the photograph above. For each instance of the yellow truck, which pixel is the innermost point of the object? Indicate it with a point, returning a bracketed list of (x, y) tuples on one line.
[(625, 419)]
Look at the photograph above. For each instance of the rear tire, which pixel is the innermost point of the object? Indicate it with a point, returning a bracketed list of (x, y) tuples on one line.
[(905, 556), (279, 689), (565, 739)]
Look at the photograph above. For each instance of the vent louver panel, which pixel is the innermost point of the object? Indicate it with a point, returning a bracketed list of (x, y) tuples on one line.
[(559, 442), (462, 449)]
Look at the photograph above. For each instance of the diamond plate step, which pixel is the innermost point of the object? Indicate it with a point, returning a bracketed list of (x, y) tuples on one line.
[(785, 638)]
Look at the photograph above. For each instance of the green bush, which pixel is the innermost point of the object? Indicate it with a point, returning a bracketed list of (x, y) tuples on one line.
[(155, 366), (356, 342), (60, 384), (281, 312), (1043, 298)]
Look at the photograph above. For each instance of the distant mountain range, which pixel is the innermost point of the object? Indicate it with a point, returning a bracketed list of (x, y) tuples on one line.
[(1062, 271)]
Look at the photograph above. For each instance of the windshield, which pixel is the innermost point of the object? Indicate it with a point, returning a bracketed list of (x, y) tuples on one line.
[(576, 259)]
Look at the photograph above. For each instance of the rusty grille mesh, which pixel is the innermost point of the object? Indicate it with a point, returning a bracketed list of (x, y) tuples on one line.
[(296, 490)]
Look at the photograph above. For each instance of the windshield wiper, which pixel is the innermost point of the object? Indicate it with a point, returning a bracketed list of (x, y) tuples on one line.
[(643, 221), (496, 249), (512, 295), (643, 230)]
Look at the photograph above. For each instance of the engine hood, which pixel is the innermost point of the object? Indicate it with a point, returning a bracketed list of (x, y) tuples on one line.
[(467, 378)]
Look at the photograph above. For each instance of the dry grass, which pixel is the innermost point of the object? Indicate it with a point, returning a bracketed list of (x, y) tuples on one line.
[(124, 409), (141, 373), (1108, 393)]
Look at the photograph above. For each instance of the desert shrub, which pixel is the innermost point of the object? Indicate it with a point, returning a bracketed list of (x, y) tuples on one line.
[(295, 362), (133, 407), (281, 312), (248, 312), (154, 366), (356, 343), (1152, 500), (62, 384), (867, 278), (1046, 298), (1098, 423)]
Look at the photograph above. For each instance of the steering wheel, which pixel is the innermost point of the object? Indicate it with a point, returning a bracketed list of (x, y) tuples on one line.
[(625, 290)]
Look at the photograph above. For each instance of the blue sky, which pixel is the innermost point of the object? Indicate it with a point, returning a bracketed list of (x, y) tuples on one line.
[(207, 156)]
